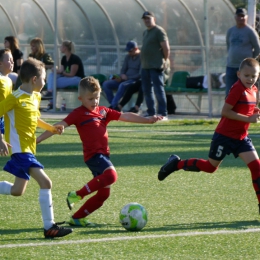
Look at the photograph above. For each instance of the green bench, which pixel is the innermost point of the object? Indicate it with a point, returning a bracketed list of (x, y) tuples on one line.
[(177, 87)]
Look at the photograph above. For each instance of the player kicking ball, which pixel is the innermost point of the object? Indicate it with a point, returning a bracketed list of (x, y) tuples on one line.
[(231, 134), (91, 121)]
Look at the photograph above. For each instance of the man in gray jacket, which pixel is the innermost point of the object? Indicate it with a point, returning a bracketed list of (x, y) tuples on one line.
[(242, 42), (129, 74)]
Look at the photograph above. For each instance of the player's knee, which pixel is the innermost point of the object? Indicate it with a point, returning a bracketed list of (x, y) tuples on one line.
[(211, 168), (46, 184), (111, 175)]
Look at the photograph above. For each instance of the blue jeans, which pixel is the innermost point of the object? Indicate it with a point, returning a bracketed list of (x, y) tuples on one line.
[(231, 78), (62, 82), (153, 81), (111, 85)]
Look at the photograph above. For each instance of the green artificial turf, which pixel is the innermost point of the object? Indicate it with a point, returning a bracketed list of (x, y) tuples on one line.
[(191, 215)]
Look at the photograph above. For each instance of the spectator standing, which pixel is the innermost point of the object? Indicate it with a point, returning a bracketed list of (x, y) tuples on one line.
[(12, 43), (129, 75), (154, 53), (38, 52), (242, 42), (137, 87)]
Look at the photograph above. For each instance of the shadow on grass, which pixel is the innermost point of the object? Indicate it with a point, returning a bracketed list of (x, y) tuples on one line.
[(237, 225), (114, 229), (20, 231)]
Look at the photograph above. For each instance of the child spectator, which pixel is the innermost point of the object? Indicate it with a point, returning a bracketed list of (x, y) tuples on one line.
[(12, 43), (91, 121), (21, 111), (6, 67), (231, 134)]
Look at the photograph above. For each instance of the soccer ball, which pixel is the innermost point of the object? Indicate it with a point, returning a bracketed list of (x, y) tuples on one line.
[(133, 216)]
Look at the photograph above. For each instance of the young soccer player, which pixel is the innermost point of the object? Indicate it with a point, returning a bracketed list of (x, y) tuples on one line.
[(231, 134), (91, 122), (21, 112), (6, 85)]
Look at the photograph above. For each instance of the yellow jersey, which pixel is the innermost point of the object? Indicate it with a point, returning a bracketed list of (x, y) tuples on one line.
[(21, 114), (6, 86)]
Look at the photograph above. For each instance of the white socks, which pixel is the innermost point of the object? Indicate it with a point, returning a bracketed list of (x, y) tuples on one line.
[(45, 200), (5, 187)]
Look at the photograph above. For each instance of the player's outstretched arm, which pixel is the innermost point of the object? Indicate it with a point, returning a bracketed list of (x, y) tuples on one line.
[(231, 114), (134, 118), (58, 128)]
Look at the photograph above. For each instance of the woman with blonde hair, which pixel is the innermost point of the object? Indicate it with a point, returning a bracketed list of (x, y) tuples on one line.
[(39, 53), (12, 43), (70, 72)]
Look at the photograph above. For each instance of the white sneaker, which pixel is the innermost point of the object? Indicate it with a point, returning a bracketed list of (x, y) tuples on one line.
[(165, 118)]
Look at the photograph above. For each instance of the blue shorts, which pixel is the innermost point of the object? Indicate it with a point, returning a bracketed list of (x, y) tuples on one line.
[(222, 145), (2, 125), (98, 163), (20, 164)]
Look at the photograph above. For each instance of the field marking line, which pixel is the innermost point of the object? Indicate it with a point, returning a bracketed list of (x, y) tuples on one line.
[(186, 234)]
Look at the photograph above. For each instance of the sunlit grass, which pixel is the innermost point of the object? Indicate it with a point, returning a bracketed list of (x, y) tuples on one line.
[(186, 202)]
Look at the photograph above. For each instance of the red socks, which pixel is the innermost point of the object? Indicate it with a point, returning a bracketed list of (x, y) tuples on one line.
[(101, 185), (194, 164), (105, 179), (93, 203), (254, 167)]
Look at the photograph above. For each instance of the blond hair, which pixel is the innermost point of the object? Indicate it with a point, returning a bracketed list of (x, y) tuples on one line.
[(250, 62), (69, 45), (40, 50), (89, 84)]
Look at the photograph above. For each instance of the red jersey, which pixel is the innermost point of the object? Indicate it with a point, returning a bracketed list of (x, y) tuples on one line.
[(243, 101), (92, 128)]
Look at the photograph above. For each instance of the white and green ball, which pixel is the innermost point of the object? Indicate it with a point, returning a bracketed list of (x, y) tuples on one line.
[(133, 216)]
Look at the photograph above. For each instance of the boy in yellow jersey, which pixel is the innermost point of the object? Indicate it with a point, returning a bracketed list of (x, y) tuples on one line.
[(6, 67), (22, 116)]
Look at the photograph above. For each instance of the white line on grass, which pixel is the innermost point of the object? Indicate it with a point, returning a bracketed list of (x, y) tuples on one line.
[(187, 234)]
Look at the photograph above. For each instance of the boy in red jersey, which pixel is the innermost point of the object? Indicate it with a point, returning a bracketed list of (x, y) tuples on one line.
[(91, 122), (231, 134)]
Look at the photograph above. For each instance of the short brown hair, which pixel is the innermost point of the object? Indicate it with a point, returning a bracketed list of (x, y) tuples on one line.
[(31, 68), (4, 51), (251, 62), (89, 83)]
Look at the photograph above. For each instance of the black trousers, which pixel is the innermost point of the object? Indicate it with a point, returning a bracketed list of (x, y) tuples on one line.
[(137, 87)]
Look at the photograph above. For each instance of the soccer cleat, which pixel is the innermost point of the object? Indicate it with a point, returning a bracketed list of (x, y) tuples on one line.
[(72, 198), (169, 167), (56, 231), (80, 222)]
